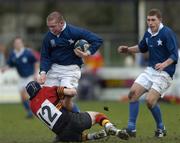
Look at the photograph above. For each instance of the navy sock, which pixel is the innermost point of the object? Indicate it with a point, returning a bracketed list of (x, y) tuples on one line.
[(75, 108), (156, 112), (27, 107), (133, 113)]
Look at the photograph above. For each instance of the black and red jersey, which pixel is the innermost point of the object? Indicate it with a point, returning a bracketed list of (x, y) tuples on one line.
[(46, 93), (43, 105)]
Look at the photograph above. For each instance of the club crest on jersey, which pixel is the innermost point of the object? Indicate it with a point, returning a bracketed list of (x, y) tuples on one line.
[(24, 60), (71, 41), (53, 43), (159, 42)]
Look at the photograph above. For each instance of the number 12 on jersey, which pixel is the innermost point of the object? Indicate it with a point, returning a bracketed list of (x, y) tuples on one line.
[(48, 113)]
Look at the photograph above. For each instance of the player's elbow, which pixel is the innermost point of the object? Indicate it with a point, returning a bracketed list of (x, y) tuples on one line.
[(100, 42), (72, 92)]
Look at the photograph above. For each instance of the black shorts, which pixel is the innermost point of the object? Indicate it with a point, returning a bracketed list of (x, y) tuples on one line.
[(77, 124)]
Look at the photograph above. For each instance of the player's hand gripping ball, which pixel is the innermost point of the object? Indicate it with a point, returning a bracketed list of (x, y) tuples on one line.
[(82, 45)]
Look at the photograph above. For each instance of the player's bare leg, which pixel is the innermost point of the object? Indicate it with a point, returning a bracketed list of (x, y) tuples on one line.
[(110, 129), (151, 100)]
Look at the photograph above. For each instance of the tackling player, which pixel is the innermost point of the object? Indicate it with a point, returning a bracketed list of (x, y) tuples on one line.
[(161, 43), (47, 104)]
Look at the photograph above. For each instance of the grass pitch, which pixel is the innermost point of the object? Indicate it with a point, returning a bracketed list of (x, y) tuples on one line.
[(14, 128)]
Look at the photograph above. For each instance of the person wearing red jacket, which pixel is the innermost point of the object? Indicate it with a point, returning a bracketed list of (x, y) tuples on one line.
[(47, 104)]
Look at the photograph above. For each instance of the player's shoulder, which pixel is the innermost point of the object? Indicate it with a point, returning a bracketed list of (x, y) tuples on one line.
[(167, 32), (70, 26), (167, 29), (28, 51), (74, 28), (47, 35), (11, 54), (147, 34)]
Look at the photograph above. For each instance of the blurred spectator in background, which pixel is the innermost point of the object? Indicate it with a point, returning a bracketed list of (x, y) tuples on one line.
[(94, 62), (129, 61), (89, 83), (142, 59), (2, 54), (36, 54), (26, 65)]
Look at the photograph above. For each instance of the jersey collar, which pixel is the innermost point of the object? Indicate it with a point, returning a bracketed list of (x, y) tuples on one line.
[(160, 27), (19, 53), (62, 29)]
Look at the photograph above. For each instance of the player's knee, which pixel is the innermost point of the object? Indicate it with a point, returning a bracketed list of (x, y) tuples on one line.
[(132, 95), (150, 103)]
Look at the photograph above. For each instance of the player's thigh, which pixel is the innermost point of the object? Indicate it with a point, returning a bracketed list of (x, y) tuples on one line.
[(24, 81), (22, 84), (93, 114), (161, 82), (81, 121), (51, 82), (70, 78), (152, 97), (69, 82), (78, 123), (139, 87), (143, 81), (52, 78)]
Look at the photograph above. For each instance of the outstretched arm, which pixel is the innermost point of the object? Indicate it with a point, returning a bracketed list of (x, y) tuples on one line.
[(69, 92), (126, 49)]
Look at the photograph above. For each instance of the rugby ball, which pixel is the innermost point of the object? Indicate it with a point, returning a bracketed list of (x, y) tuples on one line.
[(82, 44)]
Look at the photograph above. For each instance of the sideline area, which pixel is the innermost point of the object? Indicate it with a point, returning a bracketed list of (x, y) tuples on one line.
[(115, 84)]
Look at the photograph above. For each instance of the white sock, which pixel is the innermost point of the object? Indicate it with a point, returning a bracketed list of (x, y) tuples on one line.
[(90, 136), (108, 125)]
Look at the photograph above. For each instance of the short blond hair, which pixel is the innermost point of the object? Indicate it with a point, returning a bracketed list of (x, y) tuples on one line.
[(55, 16)]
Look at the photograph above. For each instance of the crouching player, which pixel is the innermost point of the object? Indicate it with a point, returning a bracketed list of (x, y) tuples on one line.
[(47, 104)]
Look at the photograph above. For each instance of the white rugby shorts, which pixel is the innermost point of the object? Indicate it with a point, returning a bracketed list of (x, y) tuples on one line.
[(24, 81), (158, 80), (60, 75)]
